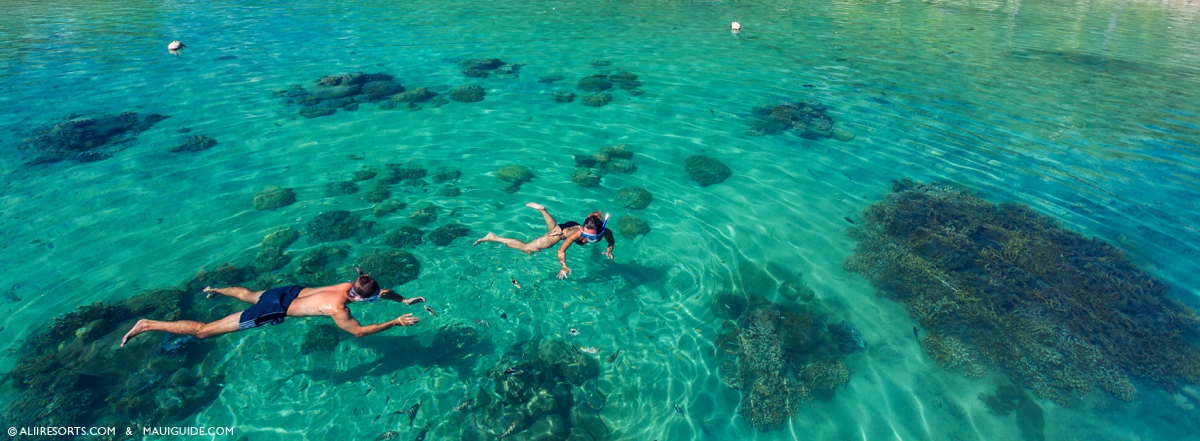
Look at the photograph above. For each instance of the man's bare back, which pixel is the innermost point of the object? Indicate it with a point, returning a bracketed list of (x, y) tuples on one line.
[(270, 306)]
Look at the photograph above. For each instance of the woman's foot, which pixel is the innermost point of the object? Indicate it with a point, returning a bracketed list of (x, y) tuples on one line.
[(138, 328), (490, 237), (536, 206)]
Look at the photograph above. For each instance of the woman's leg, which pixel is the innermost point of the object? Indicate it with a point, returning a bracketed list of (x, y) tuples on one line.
[(551, 224)]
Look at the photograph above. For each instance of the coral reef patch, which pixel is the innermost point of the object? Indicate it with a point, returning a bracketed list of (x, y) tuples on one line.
[(391, 268), (633, 198), (271, 197), (342, 91), (772, 353), (706, 171), (195, 143), (515, 176), (467, 93), (631, 226), (1003, 287), (807, 118), (88, 138), (336, 225), (443, 235)]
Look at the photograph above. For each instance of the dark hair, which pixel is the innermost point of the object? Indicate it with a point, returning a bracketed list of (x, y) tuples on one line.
[(365, 285), (594, 221)]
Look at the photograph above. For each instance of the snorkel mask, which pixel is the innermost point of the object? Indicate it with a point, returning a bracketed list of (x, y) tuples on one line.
[(596, 237), (358, 296)]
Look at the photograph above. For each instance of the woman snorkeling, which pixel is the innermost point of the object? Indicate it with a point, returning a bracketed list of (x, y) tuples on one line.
[(593, 228)]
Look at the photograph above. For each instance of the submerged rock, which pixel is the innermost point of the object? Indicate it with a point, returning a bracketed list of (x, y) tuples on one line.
[(443, 235), (195, 143), (281, 238), (467, 94), (391, 268), (597, 100), (706, 171), (631, 226), (633, 198), (515, 176), (321, 338), (88, 138), (585, 177), (564, 96), (272, 197)]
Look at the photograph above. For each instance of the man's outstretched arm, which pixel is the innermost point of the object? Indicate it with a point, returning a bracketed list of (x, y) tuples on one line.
[(348, 323)]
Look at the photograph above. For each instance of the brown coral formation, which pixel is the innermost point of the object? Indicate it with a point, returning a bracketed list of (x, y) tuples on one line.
[(771, 355), (1004, 287)]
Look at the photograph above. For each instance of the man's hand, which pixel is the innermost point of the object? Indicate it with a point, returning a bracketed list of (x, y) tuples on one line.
[(406, 320), (564, 273), (608, 254), (414, 300)]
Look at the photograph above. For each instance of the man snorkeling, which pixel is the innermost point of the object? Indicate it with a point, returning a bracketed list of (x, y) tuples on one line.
[(593, 228), (272, 305)]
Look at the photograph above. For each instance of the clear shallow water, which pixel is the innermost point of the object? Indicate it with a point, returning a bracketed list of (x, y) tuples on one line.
[(1085, 111)]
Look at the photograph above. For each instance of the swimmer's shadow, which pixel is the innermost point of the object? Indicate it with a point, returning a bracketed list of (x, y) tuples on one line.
[(451, 349)]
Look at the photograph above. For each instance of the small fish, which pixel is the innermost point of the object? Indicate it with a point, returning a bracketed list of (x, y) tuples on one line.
[(916, 333), (377, 417), (573, 348), (512, 428), (613, 357), (464, 405), (368, 392), (356, 411), (504, 316), (590, 349), (482, 322), (387, 435), (421, 434), (849, 220), (573, 331), (516, 283), (678, 409), (412, 413), (808, 85), (430, 311), (387, 400)]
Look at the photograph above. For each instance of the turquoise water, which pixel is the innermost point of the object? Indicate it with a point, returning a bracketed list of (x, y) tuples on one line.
[(1086, 111)]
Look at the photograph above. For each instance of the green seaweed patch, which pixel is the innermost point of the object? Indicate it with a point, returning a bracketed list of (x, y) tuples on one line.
[(1003, 287)]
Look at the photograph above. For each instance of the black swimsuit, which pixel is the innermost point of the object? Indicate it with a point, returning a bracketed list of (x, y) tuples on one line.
[(271, 308), (569, 224)]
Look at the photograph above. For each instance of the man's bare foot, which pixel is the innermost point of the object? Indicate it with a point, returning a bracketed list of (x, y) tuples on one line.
[(138, 328), (210, 291), (536, 206), (487, 238)]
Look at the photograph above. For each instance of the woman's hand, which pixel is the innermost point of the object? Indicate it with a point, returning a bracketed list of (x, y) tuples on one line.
[(608, 254), (564, 273), (414, 300)]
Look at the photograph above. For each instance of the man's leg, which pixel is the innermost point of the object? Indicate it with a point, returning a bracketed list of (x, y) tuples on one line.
[(238, 292), (187, 327)]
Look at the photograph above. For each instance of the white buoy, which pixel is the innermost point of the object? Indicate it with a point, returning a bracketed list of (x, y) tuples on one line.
[(735, 26), (176, 47)]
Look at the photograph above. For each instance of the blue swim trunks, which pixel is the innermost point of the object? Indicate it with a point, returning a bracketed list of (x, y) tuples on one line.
[(271, 308)]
